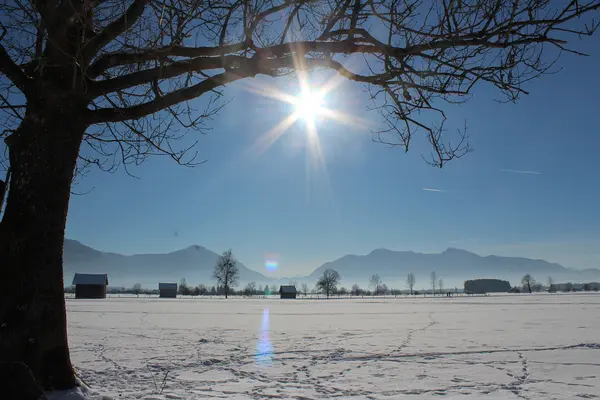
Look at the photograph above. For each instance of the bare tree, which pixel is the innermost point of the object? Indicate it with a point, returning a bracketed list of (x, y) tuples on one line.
[(103, 83), (293, 283), (356, 290), (410, 282), (383, 289), (375, 283), (441, 286), (202, 290), (528, 282), (226, 272), (433, 278), (328, 281), (184, 289), (250, 289), (137, 288), (305, 289), (551, 287)]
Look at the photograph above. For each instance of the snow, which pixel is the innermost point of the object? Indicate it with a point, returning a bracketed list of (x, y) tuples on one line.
[(496, 347)]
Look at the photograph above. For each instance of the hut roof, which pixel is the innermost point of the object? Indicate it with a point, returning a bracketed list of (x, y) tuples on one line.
[(288, 289), (167, 286), (90, 279)]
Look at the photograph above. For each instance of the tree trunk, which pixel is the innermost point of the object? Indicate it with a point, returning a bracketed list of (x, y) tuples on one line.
[(33, 332)]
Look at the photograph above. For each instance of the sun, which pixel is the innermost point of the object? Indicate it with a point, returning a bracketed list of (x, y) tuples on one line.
[(309, 105)]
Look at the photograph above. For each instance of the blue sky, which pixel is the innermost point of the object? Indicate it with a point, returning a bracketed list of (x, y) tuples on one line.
[(370, 196)]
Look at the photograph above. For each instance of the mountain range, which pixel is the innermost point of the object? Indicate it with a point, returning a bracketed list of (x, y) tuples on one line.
[(196, 264)]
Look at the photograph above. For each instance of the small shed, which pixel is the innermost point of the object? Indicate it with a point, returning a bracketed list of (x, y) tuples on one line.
[(287, 292), (482, 286), (167, 290), (90, 286)]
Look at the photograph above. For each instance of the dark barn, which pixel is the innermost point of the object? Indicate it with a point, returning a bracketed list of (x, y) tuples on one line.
[(287, 292), (90, 286), (167, 290), (482, 286)]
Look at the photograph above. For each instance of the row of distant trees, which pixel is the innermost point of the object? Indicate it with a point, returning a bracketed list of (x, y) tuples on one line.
[(330, 279), (226, 275), (530, 285)]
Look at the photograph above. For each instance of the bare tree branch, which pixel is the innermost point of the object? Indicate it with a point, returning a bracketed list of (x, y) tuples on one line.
[(116, 28), (12, 70), (131, 59), (139, 111)]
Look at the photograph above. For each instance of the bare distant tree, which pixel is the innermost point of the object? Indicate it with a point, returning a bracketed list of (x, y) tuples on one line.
[(441, 285), (202, 290), (410, 282), (375, 283), (137, 289), (383, 289), (528, 282), (433, 278), (293, 283), (551, 287), (183, 287), (356, 290), (226, 271), (343, 291), (250, 289), (328, 281), (305, 289)]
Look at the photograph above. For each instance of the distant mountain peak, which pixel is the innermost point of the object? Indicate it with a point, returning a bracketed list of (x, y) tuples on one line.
[(381, 250), (454, 250), (195, 263)]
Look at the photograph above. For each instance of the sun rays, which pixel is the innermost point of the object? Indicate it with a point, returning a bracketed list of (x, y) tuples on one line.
[(310, 107)]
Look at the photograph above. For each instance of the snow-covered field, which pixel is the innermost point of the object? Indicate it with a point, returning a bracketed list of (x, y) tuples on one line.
[(504, 347)]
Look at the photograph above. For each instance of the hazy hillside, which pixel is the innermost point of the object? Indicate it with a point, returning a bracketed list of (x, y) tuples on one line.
[(195, 263), (453, 265)]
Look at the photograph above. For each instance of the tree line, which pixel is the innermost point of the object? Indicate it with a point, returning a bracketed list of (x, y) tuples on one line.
[(226, 275), (530, 285)]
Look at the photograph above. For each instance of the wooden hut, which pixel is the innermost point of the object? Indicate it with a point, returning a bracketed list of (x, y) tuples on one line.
[(90, 286), (482, 286), (167, 290), (287, 292)]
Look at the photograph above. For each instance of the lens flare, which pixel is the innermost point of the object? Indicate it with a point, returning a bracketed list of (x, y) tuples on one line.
[(264, 347), (271, 262)]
